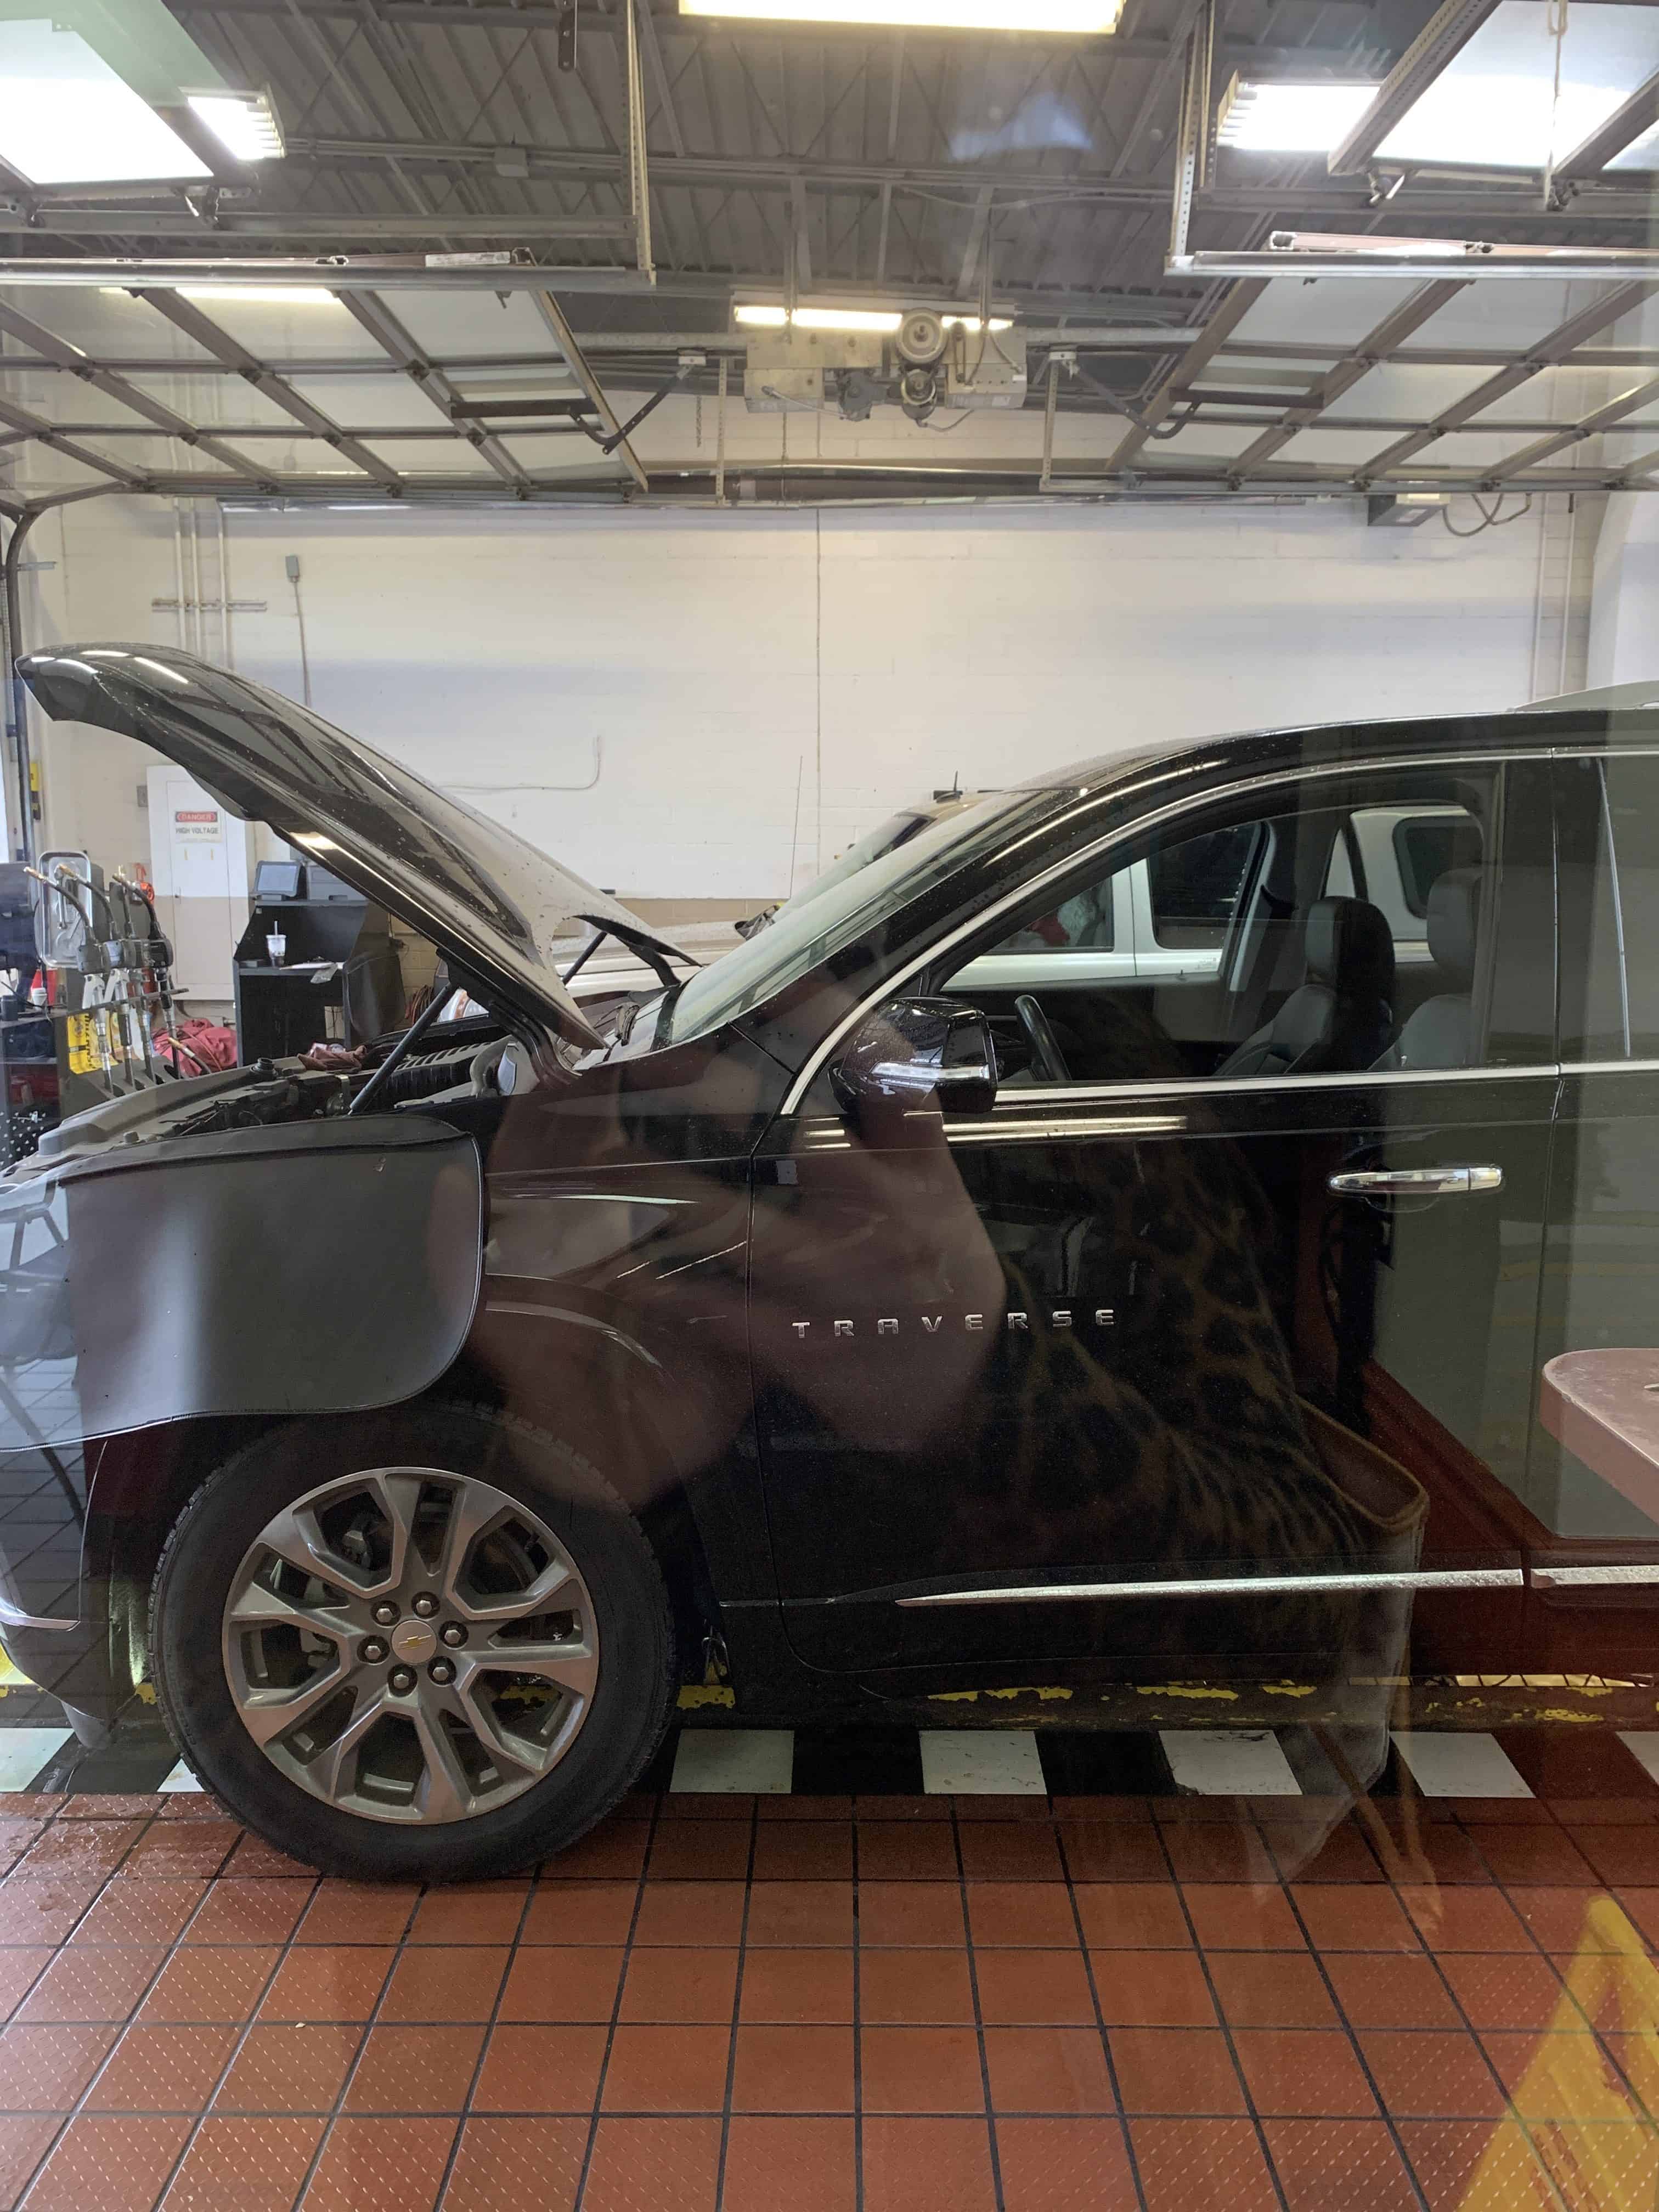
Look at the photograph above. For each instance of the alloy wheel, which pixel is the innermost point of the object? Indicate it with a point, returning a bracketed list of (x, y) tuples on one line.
[(410, 1645)]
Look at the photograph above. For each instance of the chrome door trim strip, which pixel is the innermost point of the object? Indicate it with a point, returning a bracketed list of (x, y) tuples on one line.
[(1593, 1577), (1200, 1086), (1230, 1586), (1048, 1128), (808, 1073), (1609, 1067)]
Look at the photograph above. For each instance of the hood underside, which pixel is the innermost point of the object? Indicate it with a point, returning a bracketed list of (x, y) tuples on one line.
[(493, 904)]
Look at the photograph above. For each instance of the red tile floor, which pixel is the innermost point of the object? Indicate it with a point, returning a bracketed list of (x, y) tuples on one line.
[(718, 2004)]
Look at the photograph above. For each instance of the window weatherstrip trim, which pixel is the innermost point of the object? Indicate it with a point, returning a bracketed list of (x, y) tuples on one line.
[(1227, 1586), (1594, 1577), (1279, 778)]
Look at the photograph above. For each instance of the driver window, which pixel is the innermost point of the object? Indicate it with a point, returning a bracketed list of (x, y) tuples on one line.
[(1345, 933)]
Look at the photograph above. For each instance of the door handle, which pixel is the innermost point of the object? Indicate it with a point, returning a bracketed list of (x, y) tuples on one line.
[(1416, 1182)]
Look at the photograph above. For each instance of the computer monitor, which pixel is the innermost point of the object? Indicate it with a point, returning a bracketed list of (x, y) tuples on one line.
[(276, 879)]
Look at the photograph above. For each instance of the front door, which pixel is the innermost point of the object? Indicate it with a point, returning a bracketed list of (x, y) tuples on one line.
[(1209, 1350)]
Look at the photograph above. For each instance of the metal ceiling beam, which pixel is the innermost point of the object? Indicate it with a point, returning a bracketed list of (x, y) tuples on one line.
[(62, 356), (1622, 128), (1308, 254), (1223, 321), (779, 173), (498, 15), (185, 315), (1442, 39), (565, 338), (43, 433), (1628, 403), (129, 220), (419, 272), (1409, 316), (1549, 353), (691, 483), (389, 334)]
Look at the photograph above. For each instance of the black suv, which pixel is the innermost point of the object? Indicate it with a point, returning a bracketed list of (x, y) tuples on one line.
[(1192, 1219)]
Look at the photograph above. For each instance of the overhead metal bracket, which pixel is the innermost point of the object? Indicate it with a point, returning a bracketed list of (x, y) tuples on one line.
[(1193, 134)]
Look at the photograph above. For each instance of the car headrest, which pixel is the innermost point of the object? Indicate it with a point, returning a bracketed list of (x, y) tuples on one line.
[(1350, 948), (1455, 924)]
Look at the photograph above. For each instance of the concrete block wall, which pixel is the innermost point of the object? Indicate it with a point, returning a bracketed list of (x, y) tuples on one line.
[(755, 689)]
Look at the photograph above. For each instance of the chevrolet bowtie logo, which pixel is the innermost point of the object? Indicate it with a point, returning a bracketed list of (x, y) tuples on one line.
[(1015, 1322)]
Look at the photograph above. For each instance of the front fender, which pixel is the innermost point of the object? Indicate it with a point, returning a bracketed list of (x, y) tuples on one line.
[(320, 1267)]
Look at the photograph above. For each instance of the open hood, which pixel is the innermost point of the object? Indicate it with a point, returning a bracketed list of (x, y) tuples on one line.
[(492, 904)]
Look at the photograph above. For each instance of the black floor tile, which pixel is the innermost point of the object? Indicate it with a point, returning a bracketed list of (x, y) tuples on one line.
[(864, 1762), (1103, 1763)]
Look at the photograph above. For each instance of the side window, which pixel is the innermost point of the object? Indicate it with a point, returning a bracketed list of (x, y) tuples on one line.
[(1345, 933), (1085, 922), (1194, 886)]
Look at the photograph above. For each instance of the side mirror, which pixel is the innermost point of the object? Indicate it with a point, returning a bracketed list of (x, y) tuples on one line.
[(914, 1049)]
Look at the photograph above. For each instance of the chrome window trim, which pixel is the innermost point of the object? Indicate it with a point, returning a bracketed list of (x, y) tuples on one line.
[(1608, 1067), (811, 1066), (1228, 1586), (1590, 1577)]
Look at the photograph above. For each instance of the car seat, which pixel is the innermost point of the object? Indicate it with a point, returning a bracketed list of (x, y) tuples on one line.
[(1339, 1017), (1441, 1033)]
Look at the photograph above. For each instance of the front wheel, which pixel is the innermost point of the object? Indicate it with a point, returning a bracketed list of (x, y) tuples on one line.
[(428, 1644)]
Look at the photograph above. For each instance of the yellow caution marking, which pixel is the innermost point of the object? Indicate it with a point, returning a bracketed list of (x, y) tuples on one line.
[(1287, 1690), (1592, 2148), (1182, 1690), (12, 1676), (695, 1694)]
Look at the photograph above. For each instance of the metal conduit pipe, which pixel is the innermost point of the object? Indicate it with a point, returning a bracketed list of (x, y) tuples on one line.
[(16, 696)]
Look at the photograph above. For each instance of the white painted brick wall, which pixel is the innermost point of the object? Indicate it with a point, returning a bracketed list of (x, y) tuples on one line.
[(873, 655)]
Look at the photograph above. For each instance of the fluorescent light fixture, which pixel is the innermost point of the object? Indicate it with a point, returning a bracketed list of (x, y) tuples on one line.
[(878, 322), (1290, 118), (1085, 17), (272, 295), (67, 118), (244, 123)]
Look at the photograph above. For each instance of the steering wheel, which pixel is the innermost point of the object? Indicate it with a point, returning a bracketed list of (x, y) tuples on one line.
[(1047, 1058)]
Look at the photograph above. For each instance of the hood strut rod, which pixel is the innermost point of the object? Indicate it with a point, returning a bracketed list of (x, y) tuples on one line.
[(400, 1051)]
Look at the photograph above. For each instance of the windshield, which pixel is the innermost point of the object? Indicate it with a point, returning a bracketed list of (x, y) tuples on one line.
[(828, 914), (897, 829)]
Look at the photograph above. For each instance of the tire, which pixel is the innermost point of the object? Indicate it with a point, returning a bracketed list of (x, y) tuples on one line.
[(213, 1674)]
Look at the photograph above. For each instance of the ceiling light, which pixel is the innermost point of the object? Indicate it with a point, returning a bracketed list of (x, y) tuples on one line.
[(1290, 118), (273, 296), (244, 123), (67, 118), (879, 322), (1084, 16)]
